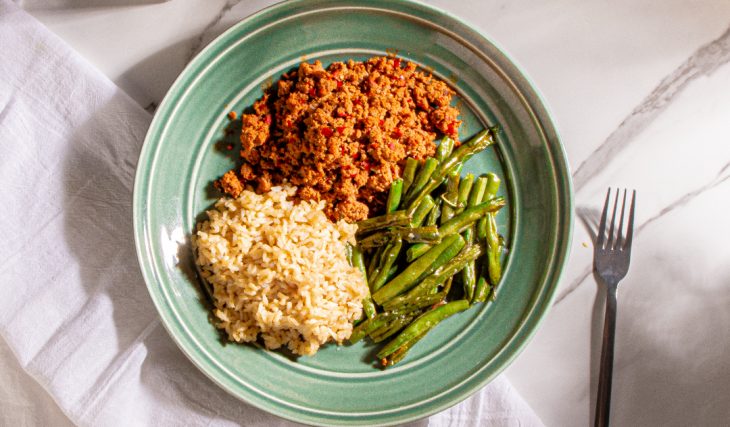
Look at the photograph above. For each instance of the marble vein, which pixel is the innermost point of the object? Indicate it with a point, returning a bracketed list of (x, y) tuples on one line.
[(589, 216), (198, 42), (704, 61)]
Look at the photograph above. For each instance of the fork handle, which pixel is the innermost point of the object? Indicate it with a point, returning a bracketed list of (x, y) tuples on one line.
[(603, 400)]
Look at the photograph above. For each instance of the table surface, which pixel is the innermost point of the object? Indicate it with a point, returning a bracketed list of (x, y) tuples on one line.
[(639, 93)]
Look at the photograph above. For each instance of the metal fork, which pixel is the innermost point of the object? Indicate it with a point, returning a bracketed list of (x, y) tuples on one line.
[(611, 257)]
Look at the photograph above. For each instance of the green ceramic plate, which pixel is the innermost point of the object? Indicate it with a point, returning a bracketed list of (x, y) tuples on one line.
[(182, 155)]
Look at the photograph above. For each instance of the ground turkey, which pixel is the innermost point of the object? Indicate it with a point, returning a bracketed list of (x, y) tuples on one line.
[(342, 134)]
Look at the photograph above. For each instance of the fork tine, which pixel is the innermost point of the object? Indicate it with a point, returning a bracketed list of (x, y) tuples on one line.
[(620, 234), (609, 244), (600, 238), (630, 228)]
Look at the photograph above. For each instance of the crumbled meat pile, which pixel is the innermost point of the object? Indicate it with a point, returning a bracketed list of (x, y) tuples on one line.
[(342, 134)]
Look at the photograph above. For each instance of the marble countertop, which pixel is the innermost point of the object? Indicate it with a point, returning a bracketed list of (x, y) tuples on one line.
[(639, 92)]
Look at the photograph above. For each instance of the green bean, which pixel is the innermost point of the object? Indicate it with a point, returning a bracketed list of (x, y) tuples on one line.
[(422, 177), (399, 354), (463, 220), (450, 196), (482, 290), (376, 263), (493, 183), (394, 196), (464, 190), (423, 209), (468, 254), (374, 260), (476, 195), (370, 325), (494, 251), (409, 172), (375, 240), (390, 254), (383, 221), (419, 269), (368, 307), (435, 213), (423, 324), (487, 231), (428, 234), (416, 251), (391, 273), (456, 224), (444, 149), (421, 301), (357, 260), (478, 143), (490, 192), (399, 323), (469, 273)]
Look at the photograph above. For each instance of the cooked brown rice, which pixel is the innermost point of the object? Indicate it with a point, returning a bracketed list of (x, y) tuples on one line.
[(279, 271)]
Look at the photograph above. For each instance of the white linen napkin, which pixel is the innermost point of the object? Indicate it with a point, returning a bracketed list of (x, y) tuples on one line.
[(74, 308)]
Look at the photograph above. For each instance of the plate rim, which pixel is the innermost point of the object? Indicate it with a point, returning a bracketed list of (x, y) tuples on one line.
[(533, 318)]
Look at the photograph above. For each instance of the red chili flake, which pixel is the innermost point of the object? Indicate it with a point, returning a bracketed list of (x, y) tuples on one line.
[(339, 84), (341, 114), (327, 132), (340, 129), (356, 102), (397, 133), (232, 115), (229, 147), (391, 145), (438, 304), (312, 93), (366, 165), (396, 62), (452, 128), (381, 122), (267, 119), (356, 155), (287, 123)]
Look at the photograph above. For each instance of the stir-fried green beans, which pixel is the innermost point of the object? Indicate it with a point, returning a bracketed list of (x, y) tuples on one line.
[(444, 149), (423, 324), (428, 234), (409, 173), (383, 221), (390, 254), (463, 194), (422, 177), (357, 260), (457, 224), (419, 269), (469, 273), (479, 142), (443, 223), (422, 212), (435, 213), (394, 196)]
